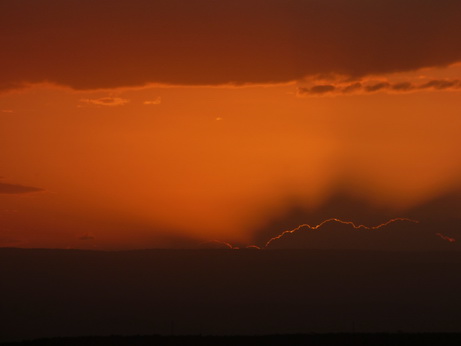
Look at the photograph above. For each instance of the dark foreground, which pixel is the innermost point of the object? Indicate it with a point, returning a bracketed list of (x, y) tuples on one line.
[(276, 340), (68, 293)]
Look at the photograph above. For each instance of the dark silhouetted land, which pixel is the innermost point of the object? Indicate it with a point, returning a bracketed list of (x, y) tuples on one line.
[(60, 293), (340, 339)]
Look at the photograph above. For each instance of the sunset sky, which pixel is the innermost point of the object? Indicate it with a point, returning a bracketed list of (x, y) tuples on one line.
[(130, 124)]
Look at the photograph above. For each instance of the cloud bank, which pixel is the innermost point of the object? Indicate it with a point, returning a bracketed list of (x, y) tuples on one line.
[(433, 225), (88, 44), (366, 88)]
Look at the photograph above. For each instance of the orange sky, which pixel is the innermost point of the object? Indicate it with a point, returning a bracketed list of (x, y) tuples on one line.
[(120, 130)]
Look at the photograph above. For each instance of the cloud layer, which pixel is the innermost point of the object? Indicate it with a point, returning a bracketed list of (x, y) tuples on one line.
[(106, 44), (359, 87)]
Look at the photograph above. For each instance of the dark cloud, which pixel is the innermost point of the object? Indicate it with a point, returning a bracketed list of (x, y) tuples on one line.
[(404, 86), (441, 84), (318, 89), (10, 86), (437, 228), (357, 87), (352, 87), (17, 189), (88, 44), (377, 86), (401, 236)]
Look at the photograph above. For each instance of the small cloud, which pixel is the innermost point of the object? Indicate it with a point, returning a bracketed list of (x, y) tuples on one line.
[(367, 88), (7, 111), (352, 87), (445, 237), (377, 86), (106, 101), (404, 86), (156, 101), (320, 89), (441, 84), (218, 119), (12, 189), (86, 236)]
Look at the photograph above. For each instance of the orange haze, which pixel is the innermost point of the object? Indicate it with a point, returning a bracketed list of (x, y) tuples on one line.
[(101, 150)]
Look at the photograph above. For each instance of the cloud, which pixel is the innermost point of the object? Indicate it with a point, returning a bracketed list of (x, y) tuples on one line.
[(106, 101), (447, 238), (441, 84), (437, 221), (377, 86), (318, 89), (404, 86), (392, 237), (6, 111), (395, 234), (12, 189), (371, 87), (5, 86), (340, 222), (352, 87), (86, 44), (156, 101)]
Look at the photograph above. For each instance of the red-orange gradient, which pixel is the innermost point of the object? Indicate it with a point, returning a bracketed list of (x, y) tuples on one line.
[(164, 123)]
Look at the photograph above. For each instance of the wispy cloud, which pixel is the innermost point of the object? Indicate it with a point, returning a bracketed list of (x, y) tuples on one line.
[(12, 189), (385, 86), (445, 237), (155, 101), (106, 101)]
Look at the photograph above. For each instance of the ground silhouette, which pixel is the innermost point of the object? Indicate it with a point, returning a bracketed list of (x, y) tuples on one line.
[(61, 293)]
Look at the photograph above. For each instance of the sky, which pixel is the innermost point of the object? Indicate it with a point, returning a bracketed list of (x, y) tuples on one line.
[(142, 124)]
